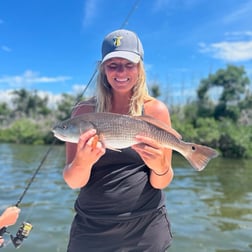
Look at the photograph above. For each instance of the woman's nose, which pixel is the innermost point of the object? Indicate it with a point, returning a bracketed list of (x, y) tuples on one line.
[(120, 68)]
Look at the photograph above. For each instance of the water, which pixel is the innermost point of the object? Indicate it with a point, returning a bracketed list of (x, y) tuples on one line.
[(209, 211)]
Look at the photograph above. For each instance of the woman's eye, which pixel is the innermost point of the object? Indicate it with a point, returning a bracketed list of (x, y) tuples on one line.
[(129, 65), (112, 66)]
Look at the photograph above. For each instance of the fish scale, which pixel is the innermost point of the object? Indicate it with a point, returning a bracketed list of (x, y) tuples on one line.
[(118, 131), (120, 138)]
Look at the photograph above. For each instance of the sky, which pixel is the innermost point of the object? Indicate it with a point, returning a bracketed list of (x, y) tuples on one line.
[(54, 45)]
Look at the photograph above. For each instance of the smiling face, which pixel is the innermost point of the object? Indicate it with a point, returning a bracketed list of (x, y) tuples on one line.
[(121, 74)]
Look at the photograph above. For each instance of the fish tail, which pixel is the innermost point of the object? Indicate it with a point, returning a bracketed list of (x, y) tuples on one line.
[(200, 155)]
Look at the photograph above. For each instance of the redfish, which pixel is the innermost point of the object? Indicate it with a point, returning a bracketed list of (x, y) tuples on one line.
[(116, 131)]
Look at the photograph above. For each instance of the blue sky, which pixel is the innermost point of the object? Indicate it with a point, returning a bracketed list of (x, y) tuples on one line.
[(54, 45)]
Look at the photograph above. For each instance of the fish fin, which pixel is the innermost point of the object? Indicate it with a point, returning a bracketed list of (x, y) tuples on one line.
[(159, 124), (113, 149), (103, 141), (95, 141), (200, 155)]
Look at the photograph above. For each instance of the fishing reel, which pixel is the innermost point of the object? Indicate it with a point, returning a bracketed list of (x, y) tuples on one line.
[(22, 233)]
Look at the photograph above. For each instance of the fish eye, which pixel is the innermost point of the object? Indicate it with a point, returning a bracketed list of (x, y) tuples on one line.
[(64, 126)]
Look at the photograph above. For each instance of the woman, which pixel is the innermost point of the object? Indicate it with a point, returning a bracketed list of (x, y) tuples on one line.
[(121, 205), (8, 218)]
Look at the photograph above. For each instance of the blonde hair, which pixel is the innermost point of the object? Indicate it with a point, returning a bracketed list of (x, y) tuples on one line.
[(104, 92)]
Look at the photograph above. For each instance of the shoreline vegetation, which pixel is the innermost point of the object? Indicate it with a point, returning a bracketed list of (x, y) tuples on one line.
[(222, 122)]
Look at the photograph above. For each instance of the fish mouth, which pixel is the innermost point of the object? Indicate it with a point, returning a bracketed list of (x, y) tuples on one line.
[(58, 135)]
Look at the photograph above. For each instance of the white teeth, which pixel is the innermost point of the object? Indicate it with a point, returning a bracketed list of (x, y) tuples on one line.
[(121, 80)]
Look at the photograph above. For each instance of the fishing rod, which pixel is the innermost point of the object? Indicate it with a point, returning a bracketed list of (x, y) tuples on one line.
[(35, 173), (25, 228), (124, 23)]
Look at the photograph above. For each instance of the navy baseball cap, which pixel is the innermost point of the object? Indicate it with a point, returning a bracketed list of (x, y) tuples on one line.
[(122, 44)]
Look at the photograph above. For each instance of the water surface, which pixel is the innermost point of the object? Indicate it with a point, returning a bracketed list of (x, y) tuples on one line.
[(209, 210)]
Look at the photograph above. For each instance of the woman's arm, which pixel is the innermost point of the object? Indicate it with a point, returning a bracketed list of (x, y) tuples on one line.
[(156, 157), (80, 160), (81, 157)]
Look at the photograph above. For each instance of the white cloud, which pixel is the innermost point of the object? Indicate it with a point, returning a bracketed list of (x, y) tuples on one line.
[(238, 34), (229, 51), (90, 11), (84, 90), (53, 99), (6, 48), (7, 97), (244, 12), (184, 93), (28, 78), (78, 88)]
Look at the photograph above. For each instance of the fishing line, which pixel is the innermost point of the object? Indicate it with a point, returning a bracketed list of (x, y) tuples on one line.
[(125, 22), (26, 227), (135, 5), (35, 173), (77, 100)]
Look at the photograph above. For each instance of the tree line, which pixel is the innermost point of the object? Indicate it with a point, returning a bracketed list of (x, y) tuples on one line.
[(220, 121)]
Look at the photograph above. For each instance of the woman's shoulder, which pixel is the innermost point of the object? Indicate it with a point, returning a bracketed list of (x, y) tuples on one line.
[(86, 106), (157, 109), (153, 104)]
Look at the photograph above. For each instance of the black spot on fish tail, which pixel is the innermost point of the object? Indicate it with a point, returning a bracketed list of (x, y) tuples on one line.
[(200, 156)]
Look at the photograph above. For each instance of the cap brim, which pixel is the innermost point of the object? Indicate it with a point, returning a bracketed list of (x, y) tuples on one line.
[(133, 57)]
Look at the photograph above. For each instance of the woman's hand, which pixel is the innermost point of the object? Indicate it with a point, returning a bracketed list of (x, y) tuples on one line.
[(89, 148), (9, 216), (152, 153), (157, 158), (87, 152)]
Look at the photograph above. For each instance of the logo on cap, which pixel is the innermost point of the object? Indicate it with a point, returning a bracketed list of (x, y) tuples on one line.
[(117, 41)]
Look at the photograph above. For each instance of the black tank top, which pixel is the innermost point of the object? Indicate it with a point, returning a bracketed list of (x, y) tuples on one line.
[(119, 188)]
